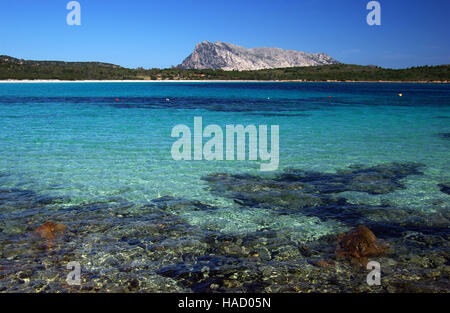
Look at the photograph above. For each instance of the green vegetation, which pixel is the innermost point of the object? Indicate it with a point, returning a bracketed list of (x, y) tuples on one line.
[(11, 68)]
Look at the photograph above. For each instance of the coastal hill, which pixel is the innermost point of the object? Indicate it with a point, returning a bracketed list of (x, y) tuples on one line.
[(13, 68), (4, 59), (17, 69), (230, 57)]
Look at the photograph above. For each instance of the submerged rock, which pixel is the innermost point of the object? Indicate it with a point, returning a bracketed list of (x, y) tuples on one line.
[(311, 188), (324, 263), (445, 187), (168, 203), (49, 231), (379, 179), (358, 244), (319, 194), (19, 199), (444, 136)]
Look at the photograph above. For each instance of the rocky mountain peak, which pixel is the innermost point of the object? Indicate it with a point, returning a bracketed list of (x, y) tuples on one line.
[(227, 56)]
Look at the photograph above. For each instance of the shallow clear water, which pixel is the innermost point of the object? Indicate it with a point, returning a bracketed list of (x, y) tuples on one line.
[(75, 142)]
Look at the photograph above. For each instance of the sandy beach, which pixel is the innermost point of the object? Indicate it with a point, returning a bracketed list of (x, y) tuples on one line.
[(25, 81)]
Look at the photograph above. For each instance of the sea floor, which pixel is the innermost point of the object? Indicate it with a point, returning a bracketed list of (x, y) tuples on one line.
[(158, 248)]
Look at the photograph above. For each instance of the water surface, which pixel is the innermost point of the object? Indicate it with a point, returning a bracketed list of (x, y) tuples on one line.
[(71, 153)]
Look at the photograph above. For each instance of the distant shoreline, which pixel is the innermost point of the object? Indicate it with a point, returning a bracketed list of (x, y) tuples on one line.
[(43, 71), (12, 81)]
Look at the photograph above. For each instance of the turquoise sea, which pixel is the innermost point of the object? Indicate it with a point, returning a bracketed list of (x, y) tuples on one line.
[(96, 157)]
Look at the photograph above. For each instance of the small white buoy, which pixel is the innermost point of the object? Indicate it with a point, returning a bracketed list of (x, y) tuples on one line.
[(167, 99)]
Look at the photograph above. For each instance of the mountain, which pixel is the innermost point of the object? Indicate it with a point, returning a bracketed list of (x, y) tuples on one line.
[(226, 56)]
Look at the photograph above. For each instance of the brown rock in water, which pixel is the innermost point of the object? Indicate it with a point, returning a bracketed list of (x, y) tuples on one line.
[(324, 263), (49, 231), (359, 244)]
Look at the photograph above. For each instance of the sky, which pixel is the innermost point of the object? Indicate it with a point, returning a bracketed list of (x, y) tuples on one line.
[(151, 33)]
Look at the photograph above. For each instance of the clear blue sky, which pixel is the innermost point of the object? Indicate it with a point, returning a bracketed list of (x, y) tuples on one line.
[(162, 33)]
